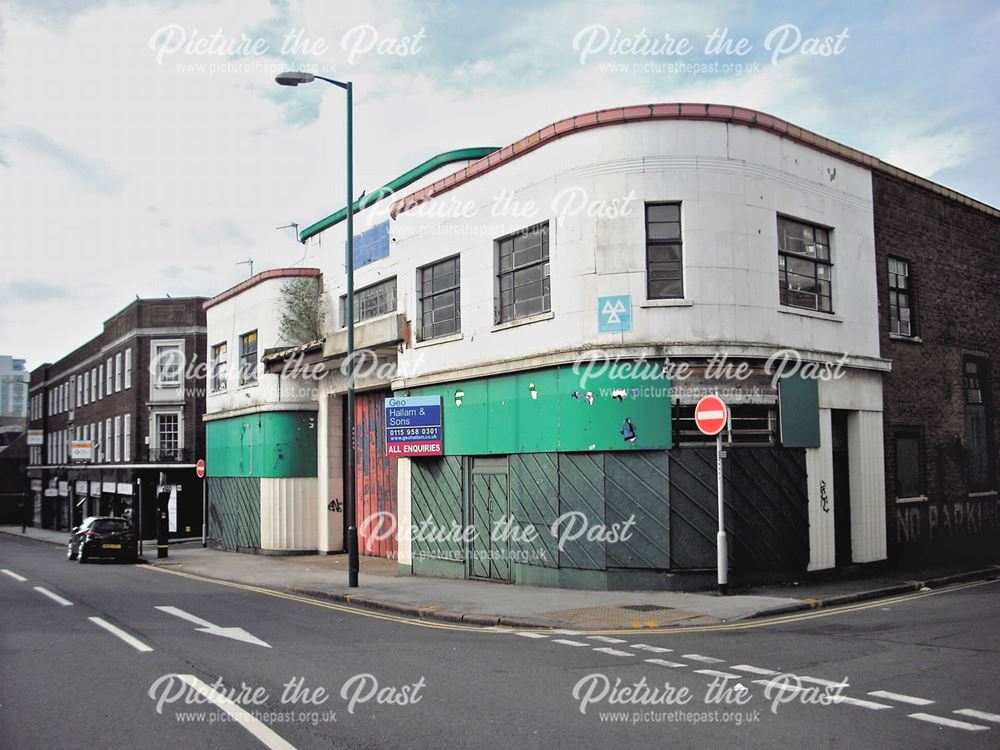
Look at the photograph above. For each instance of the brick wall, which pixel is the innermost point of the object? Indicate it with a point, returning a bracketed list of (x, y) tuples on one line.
[(953, 251)]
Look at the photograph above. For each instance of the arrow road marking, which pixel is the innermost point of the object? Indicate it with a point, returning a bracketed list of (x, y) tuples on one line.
[(204, 626)]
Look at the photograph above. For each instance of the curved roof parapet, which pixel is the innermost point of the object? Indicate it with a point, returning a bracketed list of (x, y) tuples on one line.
[(407, 178), (675, 111), (274, 273)]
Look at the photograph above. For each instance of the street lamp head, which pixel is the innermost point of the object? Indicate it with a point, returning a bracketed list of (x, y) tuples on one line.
[(293, 78)]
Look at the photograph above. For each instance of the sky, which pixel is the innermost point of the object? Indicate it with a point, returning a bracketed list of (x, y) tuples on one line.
[(146, 150)]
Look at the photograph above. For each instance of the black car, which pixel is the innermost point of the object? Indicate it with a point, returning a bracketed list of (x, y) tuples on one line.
[(103, 536)]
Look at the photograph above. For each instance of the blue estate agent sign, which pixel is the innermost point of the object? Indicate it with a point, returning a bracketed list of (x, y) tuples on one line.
[(413, 426), (614, 314)]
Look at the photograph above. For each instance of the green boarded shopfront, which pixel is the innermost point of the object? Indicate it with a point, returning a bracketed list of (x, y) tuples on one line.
[(261, 473), (550, 478)]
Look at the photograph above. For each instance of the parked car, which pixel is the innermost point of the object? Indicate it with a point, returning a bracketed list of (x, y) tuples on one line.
[(103, 536)]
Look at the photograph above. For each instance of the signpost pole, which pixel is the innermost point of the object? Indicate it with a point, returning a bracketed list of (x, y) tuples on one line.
[(204, 514), (722, 551), (139, 482)]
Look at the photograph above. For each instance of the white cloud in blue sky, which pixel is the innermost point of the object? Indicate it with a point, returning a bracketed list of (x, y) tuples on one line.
[(116, 166)]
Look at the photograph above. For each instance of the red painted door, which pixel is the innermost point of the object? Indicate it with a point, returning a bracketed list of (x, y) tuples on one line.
[(375, 477)]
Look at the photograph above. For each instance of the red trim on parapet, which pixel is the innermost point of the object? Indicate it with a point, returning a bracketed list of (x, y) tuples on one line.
[(709, 112), (274, 273)]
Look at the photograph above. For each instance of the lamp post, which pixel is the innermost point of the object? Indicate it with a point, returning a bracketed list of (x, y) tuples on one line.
[(294, 79)]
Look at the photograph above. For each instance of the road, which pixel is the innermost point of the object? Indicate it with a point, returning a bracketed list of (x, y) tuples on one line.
[(921, 671)]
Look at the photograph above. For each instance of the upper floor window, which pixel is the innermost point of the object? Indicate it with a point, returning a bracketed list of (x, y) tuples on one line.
[(370, 302), (804, 268), (901, 320), (220, 357), (167, 361), (93, 384), (128, 368), (439, 296), (108, 383), (522, 274), (118, 372), (168, 436), (248, 358), (664, 251)]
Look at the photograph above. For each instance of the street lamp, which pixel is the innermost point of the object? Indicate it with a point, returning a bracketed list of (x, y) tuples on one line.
[(292, 78)]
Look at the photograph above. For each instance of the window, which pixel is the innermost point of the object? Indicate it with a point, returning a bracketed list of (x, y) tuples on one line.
[(81, 390), (664, 251), (220, 357), (978, 423), (900, 298), (370, 302), (128, 368), (118, 438), (167, 436), (522, 286), (107, 439), (804, 268), (127, 441), (93, 385), (248, 358), (167, 360), (118, 372), (909, 471), (99, 445), (107, 383), (100, 382), (440, 300)]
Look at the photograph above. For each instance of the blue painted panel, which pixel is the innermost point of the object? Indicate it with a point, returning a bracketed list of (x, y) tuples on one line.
[(371, 245)]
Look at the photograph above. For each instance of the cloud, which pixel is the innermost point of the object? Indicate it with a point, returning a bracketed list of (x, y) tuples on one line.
[(221, 232), (928, 155), (27, 291), (87, 172)]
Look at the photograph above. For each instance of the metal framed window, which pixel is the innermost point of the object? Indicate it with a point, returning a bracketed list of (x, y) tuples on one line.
[(168, 359), (370, 302), (439, 295), (167, 436), (901, 318), (909, 465), (805, 272), (522, 286), (664, 251), (220, 360), (248, 358)]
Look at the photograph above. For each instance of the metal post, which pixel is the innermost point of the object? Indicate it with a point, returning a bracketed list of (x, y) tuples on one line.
[(352, 530), (204, 512), (139, 482), (723, 555)]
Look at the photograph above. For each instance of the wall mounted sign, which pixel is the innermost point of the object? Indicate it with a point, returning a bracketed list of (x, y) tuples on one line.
[(414, 426), (614, 314)]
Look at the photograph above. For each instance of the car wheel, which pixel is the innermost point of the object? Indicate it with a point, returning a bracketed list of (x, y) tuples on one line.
[(69, 552), (80, 557)]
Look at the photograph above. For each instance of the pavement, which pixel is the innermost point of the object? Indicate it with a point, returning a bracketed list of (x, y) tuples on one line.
[(483, 603)]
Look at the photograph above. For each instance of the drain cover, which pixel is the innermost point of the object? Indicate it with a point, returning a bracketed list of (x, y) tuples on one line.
[(645, 607)]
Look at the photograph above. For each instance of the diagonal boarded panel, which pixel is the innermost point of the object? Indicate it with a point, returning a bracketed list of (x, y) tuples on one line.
[(234, 512), (637, 488), (534, 504), (436, 507), (693, 508), (581, 507)]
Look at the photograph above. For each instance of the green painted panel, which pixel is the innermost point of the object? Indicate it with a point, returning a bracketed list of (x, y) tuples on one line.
[(581, 507), (436, 504), (637, 488), (799, 408), (268, 444), (554, 409)]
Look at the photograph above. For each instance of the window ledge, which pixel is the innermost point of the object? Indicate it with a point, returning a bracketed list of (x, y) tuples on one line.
[(914, 499), (523, 321), (810, 314), (439, 340), (666, 303), (908, 339)]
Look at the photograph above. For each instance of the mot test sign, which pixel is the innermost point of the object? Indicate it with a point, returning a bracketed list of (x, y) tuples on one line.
[(414, 426)]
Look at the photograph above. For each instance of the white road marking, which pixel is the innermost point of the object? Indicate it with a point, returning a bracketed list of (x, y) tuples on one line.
[(860, 703), (900, 697), (665, 663), (563, 631), (237, 634), (717, 673), (13, 575), (945, 722), (704, 659), (779, 685), (129, 639), (654, 649), (567, 642), (532, 635), (827, 683), (246, 720), (754, 670), (605, 639), (54, 597), (613, 651), (978, 714)]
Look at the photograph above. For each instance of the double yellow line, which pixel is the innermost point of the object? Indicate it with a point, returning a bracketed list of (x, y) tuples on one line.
[(724, 627)]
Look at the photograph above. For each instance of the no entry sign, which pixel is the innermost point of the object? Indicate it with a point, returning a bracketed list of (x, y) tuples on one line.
[(711, 415), (199, 468)]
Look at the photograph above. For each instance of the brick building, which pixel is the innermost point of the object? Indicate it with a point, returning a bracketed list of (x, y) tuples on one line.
[(939, 325), (107, 419)]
